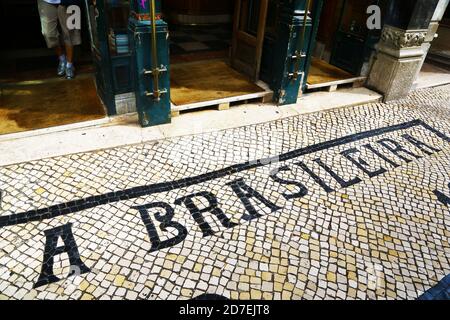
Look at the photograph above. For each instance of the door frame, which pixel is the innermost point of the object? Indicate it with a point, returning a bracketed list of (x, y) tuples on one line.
[(317, 10), (101, 57), (255, 41)]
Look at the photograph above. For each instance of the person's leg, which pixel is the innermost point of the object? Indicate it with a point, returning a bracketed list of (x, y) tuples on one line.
[(62, 60), (59, 51), (69, 53), (49, 24), (71, 39), (70, 69)]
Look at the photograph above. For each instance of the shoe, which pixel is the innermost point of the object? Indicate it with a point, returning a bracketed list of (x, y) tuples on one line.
[(61, 68), (70, 72)]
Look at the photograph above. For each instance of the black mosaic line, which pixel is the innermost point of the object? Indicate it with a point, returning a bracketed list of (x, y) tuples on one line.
[(210, 297), (136, 192)]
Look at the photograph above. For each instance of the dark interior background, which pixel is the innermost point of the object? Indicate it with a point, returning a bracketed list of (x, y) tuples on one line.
[(22, 46)]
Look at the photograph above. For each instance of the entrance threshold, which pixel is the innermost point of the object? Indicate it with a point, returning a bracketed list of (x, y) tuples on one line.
[(56, 129), (124, 130), (212, 83), (54, 102), (323, 75), (333, 85), (224, 103)]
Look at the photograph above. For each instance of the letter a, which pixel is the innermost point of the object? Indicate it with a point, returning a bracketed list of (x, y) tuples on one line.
[(245, 193), (51, 250), (374, 21), (74, 17)]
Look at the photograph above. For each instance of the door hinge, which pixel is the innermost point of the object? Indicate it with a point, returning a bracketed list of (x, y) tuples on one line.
[(296, 57), (156, 94), (155, 73)]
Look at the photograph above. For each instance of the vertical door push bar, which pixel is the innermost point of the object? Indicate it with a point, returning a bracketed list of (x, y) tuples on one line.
[(156, 70), (299, 54)]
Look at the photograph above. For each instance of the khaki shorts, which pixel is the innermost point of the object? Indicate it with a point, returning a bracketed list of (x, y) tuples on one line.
[(53, 19)]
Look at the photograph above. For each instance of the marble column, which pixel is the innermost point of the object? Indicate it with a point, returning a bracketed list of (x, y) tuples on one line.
[(400, 52)]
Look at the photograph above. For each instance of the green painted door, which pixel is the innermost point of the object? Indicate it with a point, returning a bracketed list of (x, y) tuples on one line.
[(294, 29), (96, 16), (149, 41), (354, 42)]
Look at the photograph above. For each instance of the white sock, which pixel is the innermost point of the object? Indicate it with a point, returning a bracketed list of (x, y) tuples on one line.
[(69, 65), (62, 58)]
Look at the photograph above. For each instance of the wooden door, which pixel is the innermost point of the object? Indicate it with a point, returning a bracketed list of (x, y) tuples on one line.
[(248, 36)]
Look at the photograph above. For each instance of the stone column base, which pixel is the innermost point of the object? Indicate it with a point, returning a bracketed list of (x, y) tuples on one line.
[(399, 58), (392, 76)]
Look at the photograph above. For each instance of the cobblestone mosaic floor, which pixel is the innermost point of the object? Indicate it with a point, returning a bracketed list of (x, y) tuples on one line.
[(345, 204)]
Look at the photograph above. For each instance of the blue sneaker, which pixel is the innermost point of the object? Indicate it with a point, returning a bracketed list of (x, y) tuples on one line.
[(61, 68), (70, 72)]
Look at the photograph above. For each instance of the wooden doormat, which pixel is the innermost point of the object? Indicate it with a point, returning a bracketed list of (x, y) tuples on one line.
[(206, 81), (54, 102), (323, 72)]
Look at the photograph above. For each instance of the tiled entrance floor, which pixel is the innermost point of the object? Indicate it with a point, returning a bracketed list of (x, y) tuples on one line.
[(195, 43), (188, 39), (348, 203), (38, 104), (207, 80)]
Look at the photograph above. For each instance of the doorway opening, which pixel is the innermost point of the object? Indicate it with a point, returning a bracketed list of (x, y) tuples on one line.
[(206, 48), (32, 95), (439, 53), (435, 70), (343, 44)]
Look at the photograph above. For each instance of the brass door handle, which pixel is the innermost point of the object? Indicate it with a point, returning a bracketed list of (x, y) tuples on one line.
[(299, 53), (157, 94), (156, 70)]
